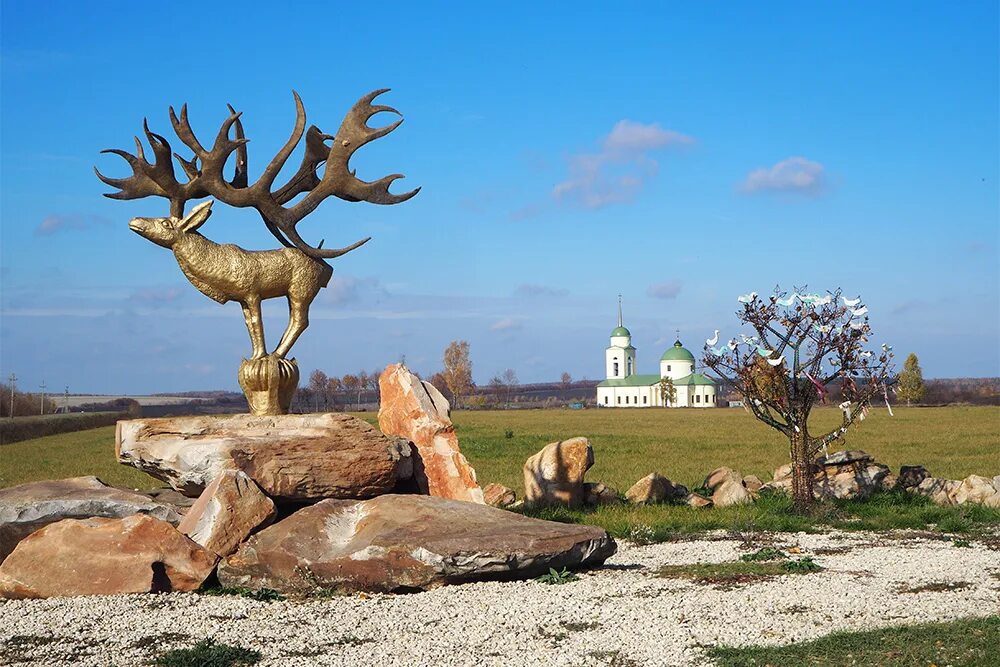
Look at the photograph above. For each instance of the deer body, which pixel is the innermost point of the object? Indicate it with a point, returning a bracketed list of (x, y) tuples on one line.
[(230, 273)]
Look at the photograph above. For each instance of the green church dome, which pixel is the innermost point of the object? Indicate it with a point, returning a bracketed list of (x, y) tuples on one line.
[(677, 353), (620, 331)]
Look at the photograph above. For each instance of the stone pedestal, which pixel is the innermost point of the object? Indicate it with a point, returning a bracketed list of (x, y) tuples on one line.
[(269, 384), (302, 458)]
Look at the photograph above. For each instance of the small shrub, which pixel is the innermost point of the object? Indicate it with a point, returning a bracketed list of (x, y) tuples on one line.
[(804, 564), (963, 544), (766, 553), (508, 434), (207, 653), (641, 534), (556, 577)]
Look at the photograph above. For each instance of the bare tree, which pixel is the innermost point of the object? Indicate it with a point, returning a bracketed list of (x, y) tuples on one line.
[(351, 382), (497, 388), (317, 387), (333, 385), (510, 381), (362, 385), (802, 344), (566, 379), (373, 384), (458, 370)]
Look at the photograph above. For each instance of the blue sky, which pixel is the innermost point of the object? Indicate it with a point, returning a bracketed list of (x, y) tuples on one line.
[(678, 155)]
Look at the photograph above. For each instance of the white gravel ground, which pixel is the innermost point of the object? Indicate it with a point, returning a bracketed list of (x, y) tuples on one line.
[(619, 615)]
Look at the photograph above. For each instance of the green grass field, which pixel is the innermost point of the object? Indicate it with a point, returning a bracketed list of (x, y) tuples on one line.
[(683, 445)]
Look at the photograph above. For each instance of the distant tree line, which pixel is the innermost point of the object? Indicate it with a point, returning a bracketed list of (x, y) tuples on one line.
[(24, 404)]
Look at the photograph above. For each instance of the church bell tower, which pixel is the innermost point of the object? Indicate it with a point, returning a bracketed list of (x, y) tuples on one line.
[(620, 355)]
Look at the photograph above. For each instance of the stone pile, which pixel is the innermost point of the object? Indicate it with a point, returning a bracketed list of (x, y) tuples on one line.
[(357, 531), (973, 489)]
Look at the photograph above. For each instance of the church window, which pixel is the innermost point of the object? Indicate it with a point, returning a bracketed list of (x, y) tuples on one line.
[(605, 400), (619, 400), (644, 400), (692, 368), (668, 368), (697, 398), (626, 400), (616, 369)]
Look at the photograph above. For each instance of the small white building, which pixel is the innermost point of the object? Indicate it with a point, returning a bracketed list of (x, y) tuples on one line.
[(624, 388)]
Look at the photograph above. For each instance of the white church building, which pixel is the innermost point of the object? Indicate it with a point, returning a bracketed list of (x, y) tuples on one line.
[(624, 388)]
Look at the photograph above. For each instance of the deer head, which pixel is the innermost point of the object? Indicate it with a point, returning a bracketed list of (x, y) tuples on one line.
[(205, 178), (168, 231)]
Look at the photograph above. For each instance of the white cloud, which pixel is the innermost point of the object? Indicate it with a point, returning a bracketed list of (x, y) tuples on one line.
[(506, 324), (533, 290), (617, 172), (794, 174), (53, 224), (668, 289)]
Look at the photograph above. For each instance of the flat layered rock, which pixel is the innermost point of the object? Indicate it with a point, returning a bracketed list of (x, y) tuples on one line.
[(28, 507), (291, 457), (227, 512), (137, 554), (554, 475), (415, 410), (405, 543)]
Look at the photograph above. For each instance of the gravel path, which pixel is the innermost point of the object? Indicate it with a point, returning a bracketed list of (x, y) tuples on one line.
[(621, 615)]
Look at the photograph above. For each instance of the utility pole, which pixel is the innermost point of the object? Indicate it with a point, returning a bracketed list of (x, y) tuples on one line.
[(41, 402), (66, 400), (13, 387)]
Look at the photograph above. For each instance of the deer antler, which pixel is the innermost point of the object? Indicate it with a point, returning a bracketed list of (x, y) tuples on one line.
[(205, 171)]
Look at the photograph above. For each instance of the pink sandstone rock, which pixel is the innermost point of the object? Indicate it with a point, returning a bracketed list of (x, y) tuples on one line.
[(227, 512), (416, 410), (137, 554)]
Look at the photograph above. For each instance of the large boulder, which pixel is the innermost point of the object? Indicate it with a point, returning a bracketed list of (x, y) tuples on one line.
[(844, 474), (726, 486), (413, 409), (405, 543), (137, 554), (291, 457), (27, 507), (229, 509), (554, 475), (655, 488)]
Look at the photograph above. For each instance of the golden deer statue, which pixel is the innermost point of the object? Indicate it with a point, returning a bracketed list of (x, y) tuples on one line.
[(229, 273)]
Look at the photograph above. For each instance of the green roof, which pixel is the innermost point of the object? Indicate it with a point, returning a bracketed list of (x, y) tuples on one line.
[(620, 331), (632, 381), (677, 353), (694, 379)]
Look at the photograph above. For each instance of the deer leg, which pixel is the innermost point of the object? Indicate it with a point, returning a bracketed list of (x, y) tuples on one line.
[(298, 320), (255, 325)]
